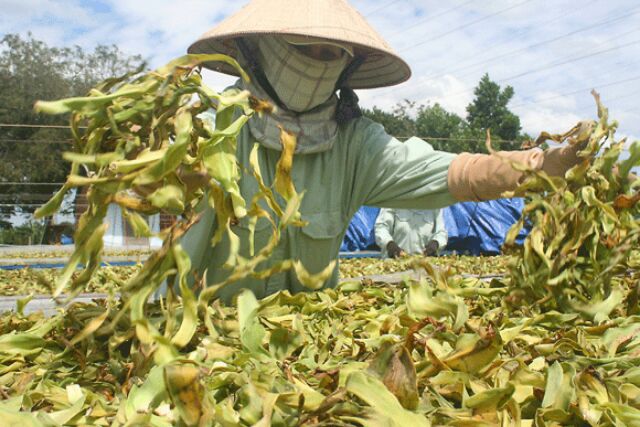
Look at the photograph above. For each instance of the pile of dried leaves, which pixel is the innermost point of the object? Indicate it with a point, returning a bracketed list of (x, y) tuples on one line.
[(38, 281), (462, 264), (63, 252), (27, 281), (452, 350), (445, 352), (585, 236)]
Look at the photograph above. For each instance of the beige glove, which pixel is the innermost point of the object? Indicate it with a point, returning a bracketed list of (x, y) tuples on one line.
[(476, 177)]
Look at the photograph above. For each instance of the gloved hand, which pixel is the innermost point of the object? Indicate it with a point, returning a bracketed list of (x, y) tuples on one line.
[(476, 177), (394, 251), (431, 248)]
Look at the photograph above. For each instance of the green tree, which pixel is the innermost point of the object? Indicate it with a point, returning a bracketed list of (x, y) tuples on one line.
[(436, 122), (398, 122), (441, 128), (489, 110), (32, 70), (447, 131)]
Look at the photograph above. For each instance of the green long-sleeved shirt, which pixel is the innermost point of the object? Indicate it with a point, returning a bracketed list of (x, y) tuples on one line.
[(365, 166)]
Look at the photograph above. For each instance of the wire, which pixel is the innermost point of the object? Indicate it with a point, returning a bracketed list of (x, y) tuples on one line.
[(433, 138), (609, 101), (568, 61), (536, 45), (378, 9), (33, 183), (484, 18), (14, 125), (551, 65), (69, 141), (431, 18), (422, 83), (37, 205), (21, 204), (62, 183), (576, 92), (617, 98), (42, 141)]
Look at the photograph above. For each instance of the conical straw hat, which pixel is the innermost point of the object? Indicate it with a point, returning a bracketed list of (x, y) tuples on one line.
[(330, 20)]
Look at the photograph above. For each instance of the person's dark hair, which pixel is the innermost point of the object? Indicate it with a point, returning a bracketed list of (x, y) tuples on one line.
[(348, 107)]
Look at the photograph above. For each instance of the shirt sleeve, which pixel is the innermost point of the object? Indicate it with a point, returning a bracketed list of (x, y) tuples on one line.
[(402, 175), (383, 228), (440, 232)]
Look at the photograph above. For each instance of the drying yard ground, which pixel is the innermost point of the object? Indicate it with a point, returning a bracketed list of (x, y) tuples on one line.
[(38, 281), (439, 351)]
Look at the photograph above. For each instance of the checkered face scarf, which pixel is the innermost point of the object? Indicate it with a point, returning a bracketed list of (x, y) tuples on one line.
[(307, 87), (302, 83)]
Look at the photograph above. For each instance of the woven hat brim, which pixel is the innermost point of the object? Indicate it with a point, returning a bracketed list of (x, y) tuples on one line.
[(330, 20), (380, 69)]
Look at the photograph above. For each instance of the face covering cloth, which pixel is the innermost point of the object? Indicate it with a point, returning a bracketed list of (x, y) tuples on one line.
[(301, 83)]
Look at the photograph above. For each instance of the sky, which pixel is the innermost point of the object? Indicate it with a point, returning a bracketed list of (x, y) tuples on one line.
[(553, 52)]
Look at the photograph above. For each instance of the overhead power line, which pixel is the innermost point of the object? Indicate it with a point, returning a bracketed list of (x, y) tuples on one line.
[(608, 102), (37, 141), (625, 96), (38, 205), (431, 18), (484, 18), (41, 141), (12, 125), (574, 92), (51, 184), (551, 65), (538, 44), (381, 8), (80, 205), (568, 61), (525, 29), (427, 80), (433, 138)]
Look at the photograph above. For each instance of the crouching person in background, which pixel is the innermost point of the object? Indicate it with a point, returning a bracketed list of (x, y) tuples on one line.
[(413, 232)]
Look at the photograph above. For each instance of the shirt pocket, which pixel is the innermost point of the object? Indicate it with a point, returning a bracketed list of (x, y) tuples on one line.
[(319, 241)]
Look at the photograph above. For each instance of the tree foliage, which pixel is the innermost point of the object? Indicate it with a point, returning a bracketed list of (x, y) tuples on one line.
[(489, 110), (399, 122), (447, 131), (31, 70), (436, 122)]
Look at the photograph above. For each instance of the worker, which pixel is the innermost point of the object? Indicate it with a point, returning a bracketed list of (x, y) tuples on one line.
[(306, 57), (410, 231)]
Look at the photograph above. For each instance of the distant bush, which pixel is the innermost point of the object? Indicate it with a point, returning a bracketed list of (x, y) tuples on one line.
[(30, 233)]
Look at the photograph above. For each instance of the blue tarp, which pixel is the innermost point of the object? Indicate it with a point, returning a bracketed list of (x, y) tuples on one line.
[(480, 228), (360, 235), (473, 228)]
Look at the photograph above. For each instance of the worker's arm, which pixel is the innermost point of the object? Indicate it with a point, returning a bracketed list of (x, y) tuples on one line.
[(383, 228), (476, 177), (411, 175), (400, 175)]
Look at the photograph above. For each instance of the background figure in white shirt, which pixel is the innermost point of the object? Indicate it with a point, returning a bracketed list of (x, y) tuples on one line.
[(407, 231)]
